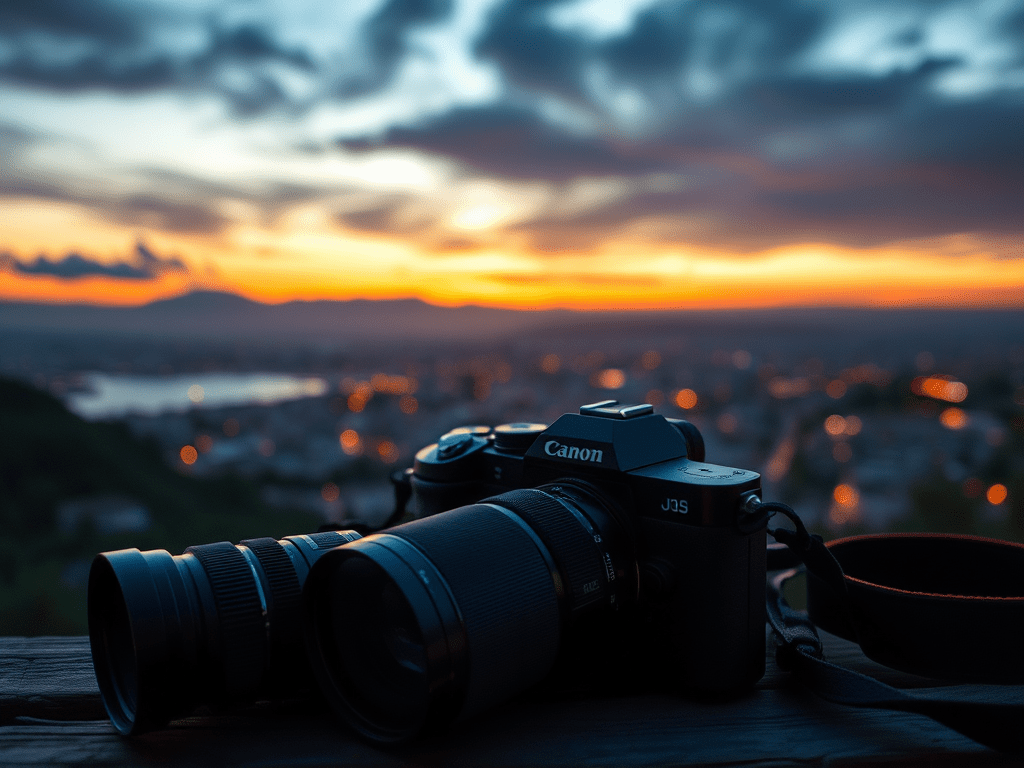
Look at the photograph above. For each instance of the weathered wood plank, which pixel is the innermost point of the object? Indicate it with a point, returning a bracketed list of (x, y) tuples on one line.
[(48, 677), (776, 724)]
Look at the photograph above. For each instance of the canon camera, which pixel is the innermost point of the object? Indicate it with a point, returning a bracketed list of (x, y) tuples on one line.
[(608, 520)]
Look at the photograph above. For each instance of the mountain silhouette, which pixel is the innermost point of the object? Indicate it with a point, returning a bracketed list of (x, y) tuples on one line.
[(218, 316)]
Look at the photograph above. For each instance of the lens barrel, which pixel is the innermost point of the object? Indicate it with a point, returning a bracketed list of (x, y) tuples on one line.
[(219, 624), (441, 618)]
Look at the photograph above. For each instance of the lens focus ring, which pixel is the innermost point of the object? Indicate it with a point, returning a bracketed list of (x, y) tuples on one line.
[(571, 545), (239, 613), (285, 593)]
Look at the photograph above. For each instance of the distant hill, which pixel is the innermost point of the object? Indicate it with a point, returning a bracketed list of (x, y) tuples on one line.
[(216, 317), (220, 316)]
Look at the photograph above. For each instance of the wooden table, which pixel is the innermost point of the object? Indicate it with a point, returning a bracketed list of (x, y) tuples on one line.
[(51, 714)]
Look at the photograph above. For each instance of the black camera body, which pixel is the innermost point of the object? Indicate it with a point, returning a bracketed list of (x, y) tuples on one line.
[(605, 526), (697, 578)]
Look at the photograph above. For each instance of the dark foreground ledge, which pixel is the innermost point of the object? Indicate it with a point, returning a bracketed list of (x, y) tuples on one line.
[(50, 714)]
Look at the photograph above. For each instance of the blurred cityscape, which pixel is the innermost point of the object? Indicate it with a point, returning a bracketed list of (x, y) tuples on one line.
[(897, 423), (842, 432)]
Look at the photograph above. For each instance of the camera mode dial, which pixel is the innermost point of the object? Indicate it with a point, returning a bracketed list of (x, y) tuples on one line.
[(516, 438)]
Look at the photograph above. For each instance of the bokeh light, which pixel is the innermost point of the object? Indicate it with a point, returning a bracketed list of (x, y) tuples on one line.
[(836, 389), (188, 454), (387, 451), (953, 418), (996, 494), (351, 443), (610, 378), (330, 492), (650, 359), (655, 397), (686, 399), (939, 388), (742, 359), (835, 425), (846, 495)]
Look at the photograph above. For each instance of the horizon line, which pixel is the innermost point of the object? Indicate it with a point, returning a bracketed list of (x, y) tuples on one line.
[(932, 304)]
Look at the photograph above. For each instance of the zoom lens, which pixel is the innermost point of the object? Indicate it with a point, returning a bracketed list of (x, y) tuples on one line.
[(441, 618), (219, 624)]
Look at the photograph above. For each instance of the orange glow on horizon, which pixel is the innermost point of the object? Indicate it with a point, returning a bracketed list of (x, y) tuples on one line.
[(271, 268)]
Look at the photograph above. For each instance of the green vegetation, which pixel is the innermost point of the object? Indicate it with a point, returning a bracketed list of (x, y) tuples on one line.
[(49, 456)]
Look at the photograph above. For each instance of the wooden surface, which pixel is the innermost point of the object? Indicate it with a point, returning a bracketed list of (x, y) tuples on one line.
[(51, 714)]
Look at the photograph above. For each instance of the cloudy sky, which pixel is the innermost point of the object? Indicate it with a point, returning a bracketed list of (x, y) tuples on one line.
[(596, 153)]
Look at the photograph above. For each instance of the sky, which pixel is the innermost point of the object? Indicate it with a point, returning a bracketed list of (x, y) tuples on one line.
[(594, 154)]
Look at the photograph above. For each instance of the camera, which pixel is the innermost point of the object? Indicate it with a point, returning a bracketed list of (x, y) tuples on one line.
[(534, 544)]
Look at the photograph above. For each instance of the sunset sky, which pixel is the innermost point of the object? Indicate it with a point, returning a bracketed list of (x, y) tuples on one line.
[(589, 154)]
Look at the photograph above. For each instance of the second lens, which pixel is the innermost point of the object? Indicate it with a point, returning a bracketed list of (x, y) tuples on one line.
[(444, 617)]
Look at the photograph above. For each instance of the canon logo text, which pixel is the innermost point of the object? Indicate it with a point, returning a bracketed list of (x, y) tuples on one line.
[(555, 448)]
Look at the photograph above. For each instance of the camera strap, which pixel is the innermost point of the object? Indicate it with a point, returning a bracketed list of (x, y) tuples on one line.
[(939, 606)]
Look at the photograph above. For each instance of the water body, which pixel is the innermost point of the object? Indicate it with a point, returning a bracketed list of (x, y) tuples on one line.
[(108, 396)]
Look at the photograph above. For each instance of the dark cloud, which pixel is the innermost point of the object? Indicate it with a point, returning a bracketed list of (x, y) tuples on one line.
[(857, 207), (760, 142), (664, 43), (16, 135), (14, 140), (383, 216), (149, 211), (93, 71), (509, 142), (143, 265), (153, 212), (64, 45), (385, 36), (250, 44), (803, 97), (270, 197), (250, 48), (131, 48), (724, 38), (107, 22), (772, 152), (530, 52), (392, 215), (175, 202), (982, 134)]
